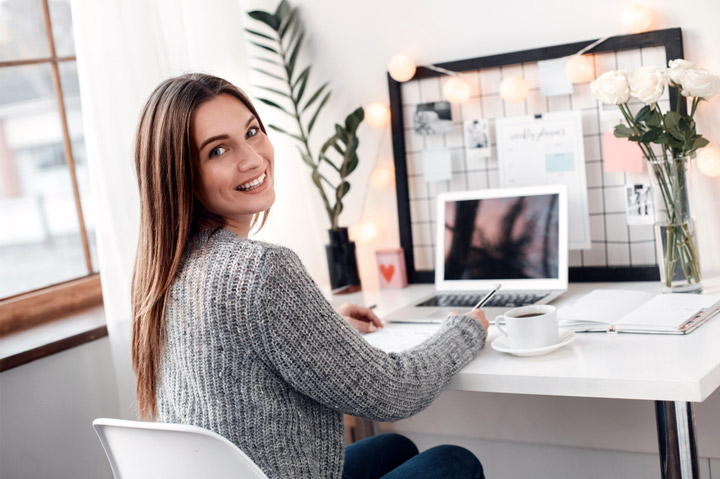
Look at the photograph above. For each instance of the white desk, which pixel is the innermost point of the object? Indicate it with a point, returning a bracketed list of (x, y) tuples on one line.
[(673, 371)]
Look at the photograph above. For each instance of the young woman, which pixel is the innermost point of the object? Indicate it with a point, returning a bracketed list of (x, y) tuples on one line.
[(233, 335)]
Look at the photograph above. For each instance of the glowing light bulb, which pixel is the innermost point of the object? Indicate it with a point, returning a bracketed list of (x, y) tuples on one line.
[(514, 89), (580, 69), (383, 176), (401, 67), (708, 161), (377, 115), (637, 18), (364, 232), (456, 90)]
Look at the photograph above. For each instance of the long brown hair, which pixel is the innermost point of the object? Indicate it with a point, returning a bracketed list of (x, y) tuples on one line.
[(166, 164)]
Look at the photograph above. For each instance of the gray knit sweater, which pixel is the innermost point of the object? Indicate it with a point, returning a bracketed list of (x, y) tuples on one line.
[(254, 352)]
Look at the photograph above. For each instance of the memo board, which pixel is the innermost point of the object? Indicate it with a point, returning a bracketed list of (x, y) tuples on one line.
[(619, 252)]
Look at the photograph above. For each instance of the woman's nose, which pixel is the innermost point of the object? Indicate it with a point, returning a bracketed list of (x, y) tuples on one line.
[(249, 159)]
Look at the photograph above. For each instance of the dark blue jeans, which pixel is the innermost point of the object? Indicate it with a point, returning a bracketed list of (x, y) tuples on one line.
[(392, 456)]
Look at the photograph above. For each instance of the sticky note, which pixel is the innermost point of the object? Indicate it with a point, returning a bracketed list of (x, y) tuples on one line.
[(437, 165), (621, 155), (559, 162), (552, 78)]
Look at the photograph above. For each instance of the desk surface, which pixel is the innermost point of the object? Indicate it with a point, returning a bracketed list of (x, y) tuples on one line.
[(604, 365)]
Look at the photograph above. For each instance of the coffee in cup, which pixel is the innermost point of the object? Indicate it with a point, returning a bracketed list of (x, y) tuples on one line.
[(529, 327)]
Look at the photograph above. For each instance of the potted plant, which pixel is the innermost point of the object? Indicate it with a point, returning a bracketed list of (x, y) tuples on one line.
[(279, 40)]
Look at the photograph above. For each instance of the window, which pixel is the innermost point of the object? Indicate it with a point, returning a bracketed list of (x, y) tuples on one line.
[(47, 238)]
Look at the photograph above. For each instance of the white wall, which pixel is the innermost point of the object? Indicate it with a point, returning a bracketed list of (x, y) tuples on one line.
[(46, 413), (350, 43)]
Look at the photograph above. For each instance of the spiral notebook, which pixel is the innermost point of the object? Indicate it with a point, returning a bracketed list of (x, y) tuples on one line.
[(626, 311)]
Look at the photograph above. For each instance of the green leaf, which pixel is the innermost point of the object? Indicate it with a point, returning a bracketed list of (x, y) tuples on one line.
[(353, 120), (273, 90), (306, 158), (651, 135), (654, 120), (259, 34), (280, 130), (699, 142), (352, 163), (328, 144), (315, 96), (672, 118), (635, 137), (288, 23), (270, 49), (644, 114), (342, 190), (314, 118), (302, 81), (338, 149), (316, 179), (281, 9), (273, 104), (341, 133), (329, 162), (294, 54), (623, 131), (267, 18), (684, 125), (267, 60), (339, 207), (663, 139), (352, 147), (271, 75)]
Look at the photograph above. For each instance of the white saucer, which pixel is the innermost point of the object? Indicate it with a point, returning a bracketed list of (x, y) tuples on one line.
[(566, 337)]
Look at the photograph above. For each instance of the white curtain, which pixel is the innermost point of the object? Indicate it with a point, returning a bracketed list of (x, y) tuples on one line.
[(124, 49)]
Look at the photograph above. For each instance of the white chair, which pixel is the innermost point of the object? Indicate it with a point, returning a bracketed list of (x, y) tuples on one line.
[(149, 450)]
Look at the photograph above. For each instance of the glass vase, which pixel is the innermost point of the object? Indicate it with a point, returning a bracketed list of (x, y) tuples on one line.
[(675, 228)]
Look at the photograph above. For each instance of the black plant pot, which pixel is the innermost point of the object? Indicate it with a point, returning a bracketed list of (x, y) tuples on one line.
[(342, 263)]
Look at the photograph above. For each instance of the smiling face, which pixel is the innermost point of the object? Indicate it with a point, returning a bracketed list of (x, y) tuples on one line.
[(235, 162)]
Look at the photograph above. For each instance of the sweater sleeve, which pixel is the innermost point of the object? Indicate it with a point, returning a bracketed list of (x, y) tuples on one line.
[(307, 343)]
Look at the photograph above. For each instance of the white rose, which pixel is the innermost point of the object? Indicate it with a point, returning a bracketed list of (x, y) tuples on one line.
[(676, 71), (700, 83), (647, 84), (611, 88)]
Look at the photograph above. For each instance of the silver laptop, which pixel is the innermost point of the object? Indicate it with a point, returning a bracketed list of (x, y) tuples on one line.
[(513, 236)]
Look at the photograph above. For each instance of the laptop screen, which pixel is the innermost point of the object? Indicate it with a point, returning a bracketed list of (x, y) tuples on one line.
[(503, 236)]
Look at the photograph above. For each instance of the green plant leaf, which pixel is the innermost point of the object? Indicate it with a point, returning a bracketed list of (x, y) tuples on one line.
[(623, 131), (306, 158), (314, 118), (267, 18), (273, 90), (315, 96), (281, 10), (329, 162), (338, 149), (644, 114), (353, 120), (302, 81), (342, 190), (651, 135), (655, 119), (352, 163), (341, 133), (294, 54), (267, 60), (699, 142), (287, 24), (663, 139), (275, 105), (328, 144), (259, 34), (354, 142), (280, 130), (265, 47), (316, 179), (671, 119), (271, 75)]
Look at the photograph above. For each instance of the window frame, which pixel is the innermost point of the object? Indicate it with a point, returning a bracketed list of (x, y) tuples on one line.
[(32, 308)]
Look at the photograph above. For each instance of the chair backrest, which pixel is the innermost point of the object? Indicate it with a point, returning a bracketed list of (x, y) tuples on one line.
[(148, 450)]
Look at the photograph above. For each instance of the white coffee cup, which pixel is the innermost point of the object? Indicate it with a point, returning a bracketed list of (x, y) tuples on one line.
[(529, 327)]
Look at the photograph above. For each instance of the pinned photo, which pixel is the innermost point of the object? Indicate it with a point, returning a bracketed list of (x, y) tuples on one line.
[(477, 138), (639, 205), (433, 118)]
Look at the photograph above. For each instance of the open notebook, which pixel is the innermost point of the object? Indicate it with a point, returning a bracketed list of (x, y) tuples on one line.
[(625, 311)]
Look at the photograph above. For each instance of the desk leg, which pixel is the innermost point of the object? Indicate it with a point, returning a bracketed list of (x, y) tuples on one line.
[(676, 436)]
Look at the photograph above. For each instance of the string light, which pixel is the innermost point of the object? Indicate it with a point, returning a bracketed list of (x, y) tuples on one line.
[(514, 89), (383, 176), (377, 115), (580, 69), (456, 90), (708, 161), (401, 67), (637, 18), (364, 231)]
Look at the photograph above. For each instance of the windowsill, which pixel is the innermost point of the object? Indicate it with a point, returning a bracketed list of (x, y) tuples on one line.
[(52, 337)]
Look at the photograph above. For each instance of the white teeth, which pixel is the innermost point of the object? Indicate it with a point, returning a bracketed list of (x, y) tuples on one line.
[(252, 184)]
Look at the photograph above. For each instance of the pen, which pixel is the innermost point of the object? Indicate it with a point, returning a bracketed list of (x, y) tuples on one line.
[(487, 297)]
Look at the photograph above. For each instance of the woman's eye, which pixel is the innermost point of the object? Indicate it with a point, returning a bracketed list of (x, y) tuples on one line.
[(254, 130), (217, 151)]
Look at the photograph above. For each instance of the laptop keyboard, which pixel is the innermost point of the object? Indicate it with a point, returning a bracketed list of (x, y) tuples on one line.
[(500, 300)]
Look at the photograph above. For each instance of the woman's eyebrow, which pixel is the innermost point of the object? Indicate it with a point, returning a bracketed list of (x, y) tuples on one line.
[(223, 136)]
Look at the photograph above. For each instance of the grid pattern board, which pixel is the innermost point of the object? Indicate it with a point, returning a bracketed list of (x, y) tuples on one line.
[(614, 242)]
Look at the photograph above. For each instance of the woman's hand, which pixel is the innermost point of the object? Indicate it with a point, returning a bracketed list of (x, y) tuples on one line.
[(478, 315), (360, 317)]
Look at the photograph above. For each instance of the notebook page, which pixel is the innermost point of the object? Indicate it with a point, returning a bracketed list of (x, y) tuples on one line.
[(668, 311), (602, 306)]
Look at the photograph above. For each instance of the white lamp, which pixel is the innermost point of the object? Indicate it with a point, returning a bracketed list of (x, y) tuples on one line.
[(580, 69), (377, 115), (514, 89), (637, 18), (456, 90), (383, 176), (708, 161), (401, 67), (364, 232)]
